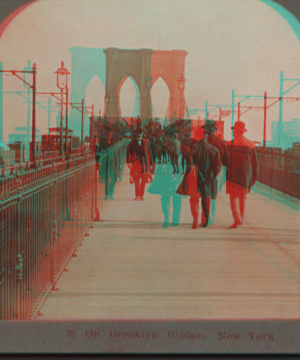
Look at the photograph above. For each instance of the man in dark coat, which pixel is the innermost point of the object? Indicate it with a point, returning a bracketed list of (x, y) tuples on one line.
[(134, 158), (164, 147), (175, 153), (152, 149), (185, 147), (2, 162), (105, 165), (241, 161), (206, 159), (211, 127), (145, 150), (158, 148)]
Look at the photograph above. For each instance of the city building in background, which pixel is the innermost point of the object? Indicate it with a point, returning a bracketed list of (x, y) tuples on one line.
[(290, 133), (20, 135)]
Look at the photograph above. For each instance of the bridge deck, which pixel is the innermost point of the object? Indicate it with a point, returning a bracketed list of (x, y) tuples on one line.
[(131, 268)]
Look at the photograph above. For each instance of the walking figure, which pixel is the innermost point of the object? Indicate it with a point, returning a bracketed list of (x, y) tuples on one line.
[(241, 161), (200, 178)]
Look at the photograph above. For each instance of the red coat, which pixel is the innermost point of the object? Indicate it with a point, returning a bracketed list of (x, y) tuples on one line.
[(241, 161)]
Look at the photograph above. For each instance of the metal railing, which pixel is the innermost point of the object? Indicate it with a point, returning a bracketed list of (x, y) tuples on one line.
[(15, 177), (44, 215), (8, 156), (279, 171)]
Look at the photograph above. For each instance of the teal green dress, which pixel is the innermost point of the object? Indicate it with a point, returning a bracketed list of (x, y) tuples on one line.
[(165, 183)]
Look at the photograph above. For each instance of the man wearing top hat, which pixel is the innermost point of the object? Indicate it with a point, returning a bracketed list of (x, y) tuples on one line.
[(206, 161), (241, 161), (134, 158)]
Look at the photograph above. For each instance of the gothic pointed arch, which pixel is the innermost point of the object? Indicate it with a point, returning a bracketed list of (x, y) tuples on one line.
[(95, 93), (122, 63), (170, 65), (130, 84), (160, 97)]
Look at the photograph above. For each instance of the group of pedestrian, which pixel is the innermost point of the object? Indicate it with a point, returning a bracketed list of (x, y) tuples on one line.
[(203, 165), (207, 164), (151, 146)]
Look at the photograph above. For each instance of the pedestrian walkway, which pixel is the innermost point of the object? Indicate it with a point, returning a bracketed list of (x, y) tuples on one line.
[(130, 267)]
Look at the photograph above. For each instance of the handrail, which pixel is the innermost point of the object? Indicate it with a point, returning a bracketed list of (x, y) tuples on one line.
[(44, 214)]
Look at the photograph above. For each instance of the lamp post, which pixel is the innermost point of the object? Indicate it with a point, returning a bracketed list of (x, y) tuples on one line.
[(67, 127), (33, 113), (62, 83), (265, 119), (49, 122), (82, 118), (27, 80), (148, 84), (181, 82), (107, 100)]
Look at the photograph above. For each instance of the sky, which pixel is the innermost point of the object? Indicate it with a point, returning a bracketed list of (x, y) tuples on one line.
[(231, 44)]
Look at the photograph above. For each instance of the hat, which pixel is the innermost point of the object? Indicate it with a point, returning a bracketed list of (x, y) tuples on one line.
[(210, 126), (239, 125)]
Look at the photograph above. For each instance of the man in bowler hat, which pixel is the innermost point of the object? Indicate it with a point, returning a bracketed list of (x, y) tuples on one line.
[(241, 161)]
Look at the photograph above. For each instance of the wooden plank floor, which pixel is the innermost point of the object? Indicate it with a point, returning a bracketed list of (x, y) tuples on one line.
[(131, 268)]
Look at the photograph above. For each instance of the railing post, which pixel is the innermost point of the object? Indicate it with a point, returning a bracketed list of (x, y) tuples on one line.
[(19, 264), (97, 213), (281, 79), (54, 232), (272, 162), (265, 118), (1, 103)]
